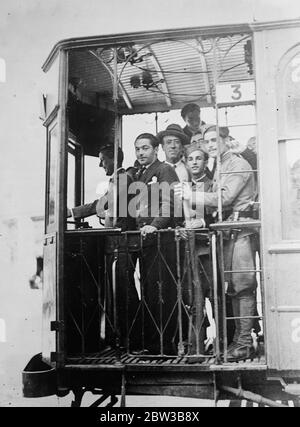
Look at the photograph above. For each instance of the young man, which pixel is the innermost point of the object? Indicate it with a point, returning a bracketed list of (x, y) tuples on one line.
[(191, 116), (237, 192), (154, 212), (196, 160), (173, 139), (198, 141)]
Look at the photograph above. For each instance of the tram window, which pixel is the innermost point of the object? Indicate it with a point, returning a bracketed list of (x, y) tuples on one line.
[(95, 184), (51, 181), (291, 95), (290, 170), (289, 143), (71, 180)]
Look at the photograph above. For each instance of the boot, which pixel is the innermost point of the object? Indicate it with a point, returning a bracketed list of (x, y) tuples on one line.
[(243, 349), (236, 313)]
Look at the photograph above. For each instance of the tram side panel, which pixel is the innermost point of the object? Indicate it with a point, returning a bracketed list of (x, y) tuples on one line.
[(280, 255)]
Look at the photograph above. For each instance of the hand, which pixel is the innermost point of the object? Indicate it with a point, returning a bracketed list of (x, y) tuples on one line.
[(69, 213), (183, 234), (147, 229), (183, 191)]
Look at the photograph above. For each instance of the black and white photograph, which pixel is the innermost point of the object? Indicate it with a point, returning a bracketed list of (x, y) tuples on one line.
[(150, 206)]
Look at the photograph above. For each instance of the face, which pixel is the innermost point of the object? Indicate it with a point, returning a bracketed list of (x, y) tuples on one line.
[(192, 119), (145, 153), (198, 141), (106, 163), (252, 144), (172, 147), (210, 139), (196, 162)]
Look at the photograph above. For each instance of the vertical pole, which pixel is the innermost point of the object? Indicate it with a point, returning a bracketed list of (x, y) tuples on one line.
[(215, 289), (160, 284), (215, 75), (179, 295), (219, 191), (116, 136), (224, 313), (156, 124), (142, 284)]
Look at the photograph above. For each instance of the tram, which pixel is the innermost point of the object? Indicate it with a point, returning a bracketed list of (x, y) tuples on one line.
[(246, 77)]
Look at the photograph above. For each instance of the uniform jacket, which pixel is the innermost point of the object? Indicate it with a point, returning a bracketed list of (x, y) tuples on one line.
[(160, 214), (104, 206), (85, 211), (237, 189)]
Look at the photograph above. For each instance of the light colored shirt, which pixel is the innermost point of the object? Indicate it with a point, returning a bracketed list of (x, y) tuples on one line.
[(180, 170)]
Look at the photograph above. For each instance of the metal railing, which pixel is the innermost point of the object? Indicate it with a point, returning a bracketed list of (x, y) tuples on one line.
[(148, 295)]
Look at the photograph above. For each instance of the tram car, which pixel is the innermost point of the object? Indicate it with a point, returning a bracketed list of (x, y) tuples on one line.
[(243, 76)]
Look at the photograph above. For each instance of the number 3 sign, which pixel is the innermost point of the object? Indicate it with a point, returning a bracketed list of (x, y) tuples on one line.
[(235, 92)]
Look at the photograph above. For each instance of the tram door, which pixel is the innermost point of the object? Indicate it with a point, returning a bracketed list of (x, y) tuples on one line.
[(52, 113), (277, 58)]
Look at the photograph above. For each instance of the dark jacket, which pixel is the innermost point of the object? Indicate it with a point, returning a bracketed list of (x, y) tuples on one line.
[(105, 203), (188, 131), (251, 157), (157, 211)]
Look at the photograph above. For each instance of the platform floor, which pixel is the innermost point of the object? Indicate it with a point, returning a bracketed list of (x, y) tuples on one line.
[(110, 357)]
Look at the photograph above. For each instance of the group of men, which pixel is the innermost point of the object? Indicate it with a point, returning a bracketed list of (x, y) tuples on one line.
[(190, 200)]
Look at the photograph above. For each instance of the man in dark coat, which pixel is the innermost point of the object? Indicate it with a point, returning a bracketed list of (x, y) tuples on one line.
[(155, 211)]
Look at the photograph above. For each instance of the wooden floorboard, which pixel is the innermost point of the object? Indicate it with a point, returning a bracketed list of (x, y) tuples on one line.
[(109, 357)]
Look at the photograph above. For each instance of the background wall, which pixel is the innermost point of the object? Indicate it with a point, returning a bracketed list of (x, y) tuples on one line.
[(28, 31)]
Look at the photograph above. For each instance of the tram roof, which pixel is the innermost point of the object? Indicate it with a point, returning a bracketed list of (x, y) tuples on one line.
[(159, 70)]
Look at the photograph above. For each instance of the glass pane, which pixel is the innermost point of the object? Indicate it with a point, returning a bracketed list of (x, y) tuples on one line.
[(291, 191), (53, 146), (292, 96), (95, 185), (71, 180)]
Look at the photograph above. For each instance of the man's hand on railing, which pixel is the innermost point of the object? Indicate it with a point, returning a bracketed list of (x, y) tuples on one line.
[(147, 229)]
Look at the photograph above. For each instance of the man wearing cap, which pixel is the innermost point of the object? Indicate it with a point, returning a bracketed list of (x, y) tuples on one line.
[(191, 116), (237, 192), (173, 139)]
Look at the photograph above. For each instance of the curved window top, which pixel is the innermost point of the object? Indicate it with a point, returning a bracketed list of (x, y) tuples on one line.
[(288, 87)]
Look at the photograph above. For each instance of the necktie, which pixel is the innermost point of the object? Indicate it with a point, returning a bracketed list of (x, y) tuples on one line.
[(140, 172)]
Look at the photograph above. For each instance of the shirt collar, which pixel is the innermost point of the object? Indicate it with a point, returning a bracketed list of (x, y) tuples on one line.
[(195, 181), (174, 164)]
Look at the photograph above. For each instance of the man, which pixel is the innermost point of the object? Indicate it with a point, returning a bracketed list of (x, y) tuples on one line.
[(116, 249), (237, 192), (173, 139), (158, 257), (191, 116), (196, 160), (198, 141)]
